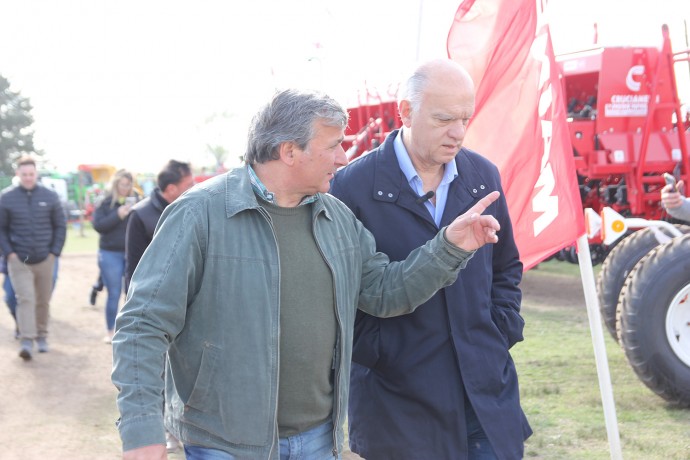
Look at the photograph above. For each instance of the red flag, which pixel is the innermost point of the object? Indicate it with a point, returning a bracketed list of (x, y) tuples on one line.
[(519, 121)]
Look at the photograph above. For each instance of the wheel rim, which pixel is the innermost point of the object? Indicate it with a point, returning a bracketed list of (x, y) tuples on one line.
[(678, 325)]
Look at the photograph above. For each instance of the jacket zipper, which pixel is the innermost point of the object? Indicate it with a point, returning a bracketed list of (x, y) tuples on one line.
[(277, 379), (338, 353)]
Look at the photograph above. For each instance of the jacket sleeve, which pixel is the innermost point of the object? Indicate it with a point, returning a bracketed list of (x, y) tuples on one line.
[(59, 223), (506, 295), (153, 315), (396, 288), (5, 243), (682, 212), (105, 217), (135, 245)]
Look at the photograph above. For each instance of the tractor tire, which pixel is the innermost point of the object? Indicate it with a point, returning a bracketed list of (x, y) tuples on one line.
[(616, 267), (655, 321)]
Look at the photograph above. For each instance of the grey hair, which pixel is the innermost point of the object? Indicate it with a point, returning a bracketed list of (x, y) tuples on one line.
[(290, 117), (413, 87)]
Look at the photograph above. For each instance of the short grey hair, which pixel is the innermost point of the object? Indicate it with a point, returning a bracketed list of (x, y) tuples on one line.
[(290, 117), (413, 87)]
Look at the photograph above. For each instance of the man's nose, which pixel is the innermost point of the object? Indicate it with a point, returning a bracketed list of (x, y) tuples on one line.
[(341, 157), (458, 130)]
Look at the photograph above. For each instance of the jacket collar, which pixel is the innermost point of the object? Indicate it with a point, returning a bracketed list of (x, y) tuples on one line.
[(240, 195)]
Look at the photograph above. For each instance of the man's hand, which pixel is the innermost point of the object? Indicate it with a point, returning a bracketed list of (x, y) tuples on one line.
[(154, 452), (471, 230), (671, 199)]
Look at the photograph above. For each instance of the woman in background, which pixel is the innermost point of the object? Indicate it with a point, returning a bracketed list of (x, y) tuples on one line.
[(110, 221)]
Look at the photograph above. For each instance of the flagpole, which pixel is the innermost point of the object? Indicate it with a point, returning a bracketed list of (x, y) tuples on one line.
[(592, 301), (419, 29)]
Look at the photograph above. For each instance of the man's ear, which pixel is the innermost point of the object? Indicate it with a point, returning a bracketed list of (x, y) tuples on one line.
[(405, 111), (287, 151)]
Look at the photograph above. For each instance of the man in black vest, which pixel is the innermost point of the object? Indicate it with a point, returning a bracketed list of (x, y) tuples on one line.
[(175, 179)]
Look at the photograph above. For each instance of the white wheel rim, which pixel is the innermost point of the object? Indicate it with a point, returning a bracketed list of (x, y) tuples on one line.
[(678, 325)]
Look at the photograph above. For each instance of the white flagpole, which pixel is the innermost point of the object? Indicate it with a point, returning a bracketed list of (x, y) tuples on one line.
[(419, 28), (592, 301)]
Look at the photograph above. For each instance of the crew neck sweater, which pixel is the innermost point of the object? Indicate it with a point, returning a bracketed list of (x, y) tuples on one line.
[(307, 323)]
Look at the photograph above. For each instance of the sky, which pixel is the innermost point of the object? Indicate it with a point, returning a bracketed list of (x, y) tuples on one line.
[(134, 83)]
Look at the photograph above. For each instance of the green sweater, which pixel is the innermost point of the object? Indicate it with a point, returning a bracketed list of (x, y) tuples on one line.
[(307, 324)]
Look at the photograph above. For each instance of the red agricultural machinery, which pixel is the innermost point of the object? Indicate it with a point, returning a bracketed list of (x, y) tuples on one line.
[(627, 129)]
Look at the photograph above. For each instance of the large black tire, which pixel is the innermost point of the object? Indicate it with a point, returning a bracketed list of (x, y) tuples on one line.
[(654, 329), (616, 268)]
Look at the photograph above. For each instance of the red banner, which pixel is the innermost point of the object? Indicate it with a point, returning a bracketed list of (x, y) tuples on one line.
[(519, 121)]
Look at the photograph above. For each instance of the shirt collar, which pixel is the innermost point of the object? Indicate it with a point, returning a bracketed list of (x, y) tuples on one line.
[(450, 172), (262, 192)]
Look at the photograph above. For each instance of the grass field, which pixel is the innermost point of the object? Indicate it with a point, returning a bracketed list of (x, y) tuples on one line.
[(79, 242), (560, 391)]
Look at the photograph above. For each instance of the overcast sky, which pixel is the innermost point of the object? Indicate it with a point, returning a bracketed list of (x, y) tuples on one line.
[(135, 83)]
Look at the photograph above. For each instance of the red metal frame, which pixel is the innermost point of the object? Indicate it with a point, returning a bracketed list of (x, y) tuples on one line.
[(370, 122)]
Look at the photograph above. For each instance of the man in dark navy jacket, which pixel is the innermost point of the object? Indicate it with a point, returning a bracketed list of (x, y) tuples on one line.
[(439, 383), (32, 233)]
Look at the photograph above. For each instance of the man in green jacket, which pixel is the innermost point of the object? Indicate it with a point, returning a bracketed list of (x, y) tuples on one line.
[(246, 298)]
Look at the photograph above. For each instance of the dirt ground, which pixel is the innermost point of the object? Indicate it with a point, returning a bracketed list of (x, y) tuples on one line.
[(61, 405)]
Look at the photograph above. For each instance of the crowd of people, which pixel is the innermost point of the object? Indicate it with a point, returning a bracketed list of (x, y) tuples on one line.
[(33, 231), (273, 303)]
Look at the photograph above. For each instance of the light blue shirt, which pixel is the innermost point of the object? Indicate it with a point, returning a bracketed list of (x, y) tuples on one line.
[(450, 172)]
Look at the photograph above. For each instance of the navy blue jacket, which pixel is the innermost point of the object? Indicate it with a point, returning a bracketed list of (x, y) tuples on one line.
[(32, 223), (408, 372)]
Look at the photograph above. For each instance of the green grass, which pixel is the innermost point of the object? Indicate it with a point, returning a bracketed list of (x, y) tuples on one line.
[(560, 390), (81, 241)]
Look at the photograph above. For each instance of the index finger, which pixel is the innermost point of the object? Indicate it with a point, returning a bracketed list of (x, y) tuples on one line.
[(484, 203)]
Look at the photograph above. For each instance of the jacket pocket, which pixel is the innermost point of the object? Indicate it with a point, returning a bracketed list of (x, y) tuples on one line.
[(203, 386), (224, 406)]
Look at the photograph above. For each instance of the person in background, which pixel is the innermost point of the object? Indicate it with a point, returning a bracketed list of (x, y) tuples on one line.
[(33, 229), (677, 205), (110, 221), (439, 383), (247, 294), (173, 180), (10, 297)]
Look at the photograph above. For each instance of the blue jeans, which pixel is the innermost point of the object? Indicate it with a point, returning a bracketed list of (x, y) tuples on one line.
[(478, 445), (112, 266), (314, 444), (11, 298)]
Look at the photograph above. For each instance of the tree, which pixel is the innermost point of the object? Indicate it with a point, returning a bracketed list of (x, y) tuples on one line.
[(219, 153), (218, 132), (16, 134)]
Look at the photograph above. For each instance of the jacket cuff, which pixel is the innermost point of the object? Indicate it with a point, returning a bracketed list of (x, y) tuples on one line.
[(459, 253), (141, 432)]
